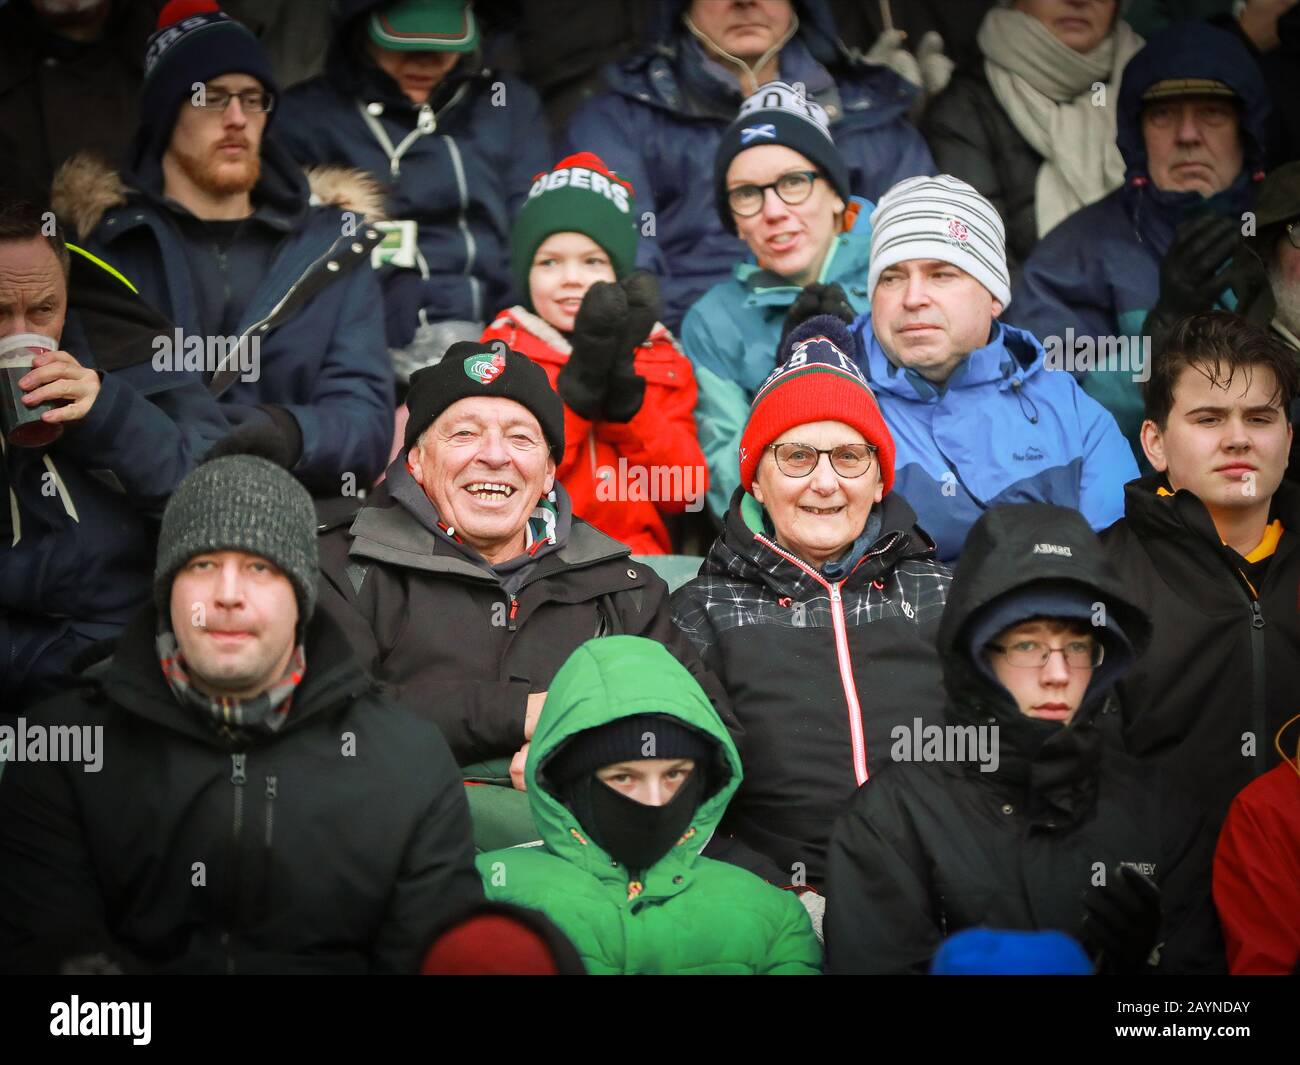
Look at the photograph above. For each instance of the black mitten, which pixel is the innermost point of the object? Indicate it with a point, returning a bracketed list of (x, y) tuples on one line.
[(1121, 921), (626, 388), (1194, 274), (597, 337), (817, 299)]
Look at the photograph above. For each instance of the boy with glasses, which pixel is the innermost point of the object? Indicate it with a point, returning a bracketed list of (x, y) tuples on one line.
[(1060, 830)]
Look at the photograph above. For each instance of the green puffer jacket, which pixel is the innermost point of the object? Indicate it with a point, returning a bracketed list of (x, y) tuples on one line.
[(692, 914)]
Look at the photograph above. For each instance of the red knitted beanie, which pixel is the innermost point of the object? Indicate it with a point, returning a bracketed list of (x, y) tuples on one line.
[(818, 382)]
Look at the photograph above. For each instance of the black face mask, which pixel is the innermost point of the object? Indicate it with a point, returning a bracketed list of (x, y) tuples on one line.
[(635, 834)]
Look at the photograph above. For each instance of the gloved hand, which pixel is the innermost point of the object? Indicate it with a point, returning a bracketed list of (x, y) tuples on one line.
[(1121, 921), (1194, 274), (627, 389), (936, 68), (817, 299), (598, 333), (888, 51), (270, 432)]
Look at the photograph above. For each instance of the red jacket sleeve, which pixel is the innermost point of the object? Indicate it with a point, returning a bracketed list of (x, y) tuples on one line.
[(1257, 876)]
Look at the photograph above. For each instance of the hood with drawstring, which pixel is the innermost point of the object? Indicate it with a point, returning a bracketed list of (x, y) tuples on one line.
[(456, 170), (685, 913), (1021, 562), (666, 109), (946, 841)]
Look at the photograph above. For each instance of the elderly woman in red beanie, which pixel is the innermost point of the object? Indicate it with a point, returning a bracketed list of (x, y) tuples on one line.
[(818, 605)]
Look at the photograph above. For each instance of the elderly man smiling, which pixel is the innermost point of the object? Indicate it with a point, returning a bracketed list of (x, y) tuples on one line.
[(466, 580)]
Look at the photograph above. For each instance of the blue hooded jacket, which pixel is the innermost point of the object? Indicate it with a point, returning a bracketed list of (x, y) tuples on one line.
[(1098, 272), (460, 167), (1004, 429), (660, 123)]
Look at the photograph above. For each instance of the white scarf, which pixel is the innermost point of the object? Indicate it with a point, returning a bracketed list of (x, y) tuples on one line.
[(1047, 89)]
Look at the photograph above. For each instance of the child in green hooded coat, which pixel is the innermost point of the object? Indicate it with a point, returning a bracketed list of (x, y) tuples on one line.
[(628, 774)]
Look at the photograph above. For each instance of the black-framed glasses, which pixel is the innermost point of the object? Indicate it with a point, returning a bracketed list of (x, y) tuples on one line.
[(793, 188), (252, 101), (799, 460), (1032, 654)]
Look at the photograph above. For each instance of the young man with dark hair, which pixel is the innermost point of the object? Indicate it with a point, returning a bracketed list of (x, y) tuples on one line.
[(1209, 544)]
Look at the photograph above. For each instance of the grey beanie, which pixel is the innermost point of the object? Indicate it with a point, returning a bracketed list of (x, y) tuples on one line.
[(240, 503)]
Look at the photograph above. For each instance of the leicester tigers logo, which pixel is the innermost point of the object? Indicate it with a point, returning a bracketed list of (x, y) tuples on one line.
[(487, 366)]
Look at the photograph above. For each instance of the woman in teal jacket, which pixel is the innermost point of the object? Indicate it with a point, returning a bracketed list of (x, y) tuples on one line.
[(781, 184), (623, 878)]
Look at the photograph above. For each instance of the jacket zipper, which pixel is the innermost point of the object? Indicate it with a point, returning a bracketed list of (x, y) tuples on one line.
[(471, 246), (842, 655), (238, 778), (272, 789), (1258, 667)]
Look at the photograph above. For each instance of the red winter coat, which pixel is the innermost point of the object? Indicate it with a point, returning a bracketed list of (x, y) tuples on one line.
[(614, 471), (1257, 875)]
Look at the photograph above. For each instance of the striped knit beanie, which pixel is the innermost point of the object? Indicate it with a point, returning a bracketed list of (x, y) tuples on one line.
[(817, 382), (945, 219)]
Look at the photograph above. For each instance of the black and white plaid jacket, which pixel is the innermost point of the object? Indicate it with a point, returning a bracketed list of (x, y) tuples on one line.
[(818, 672)]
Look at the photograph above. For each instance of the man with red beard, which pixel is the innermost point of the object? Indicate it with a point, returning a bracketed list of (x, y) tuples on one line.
[(264, 270)]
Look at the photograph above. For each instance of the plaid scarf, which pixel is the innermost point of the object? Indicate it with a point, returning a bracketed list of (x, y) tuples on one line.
[(232, 718)]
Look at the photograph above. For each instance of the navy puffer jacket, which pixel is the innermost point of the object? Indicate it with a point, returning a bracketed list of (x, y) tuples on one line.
[(660, 122), (459, 167)]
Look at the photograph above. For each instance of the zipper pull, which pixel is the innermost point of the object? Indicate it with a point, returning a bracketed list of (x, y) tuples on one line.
[(634, 888), (835, 593), (238, 769), (426, 123), (272, 787), (1256, 615), (514, 610)]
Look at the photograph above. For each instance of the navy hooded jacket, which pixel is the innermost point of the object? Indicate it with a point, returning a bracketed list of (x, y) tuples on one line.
[(314, 311), (1097, 274), (459, 166), (660, 123)]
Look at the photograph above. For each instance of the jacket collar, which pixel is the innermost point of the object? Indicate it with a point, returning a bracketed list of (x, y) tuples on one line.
[(847, 261), (1010, 357), (133, 679), (743, 551)]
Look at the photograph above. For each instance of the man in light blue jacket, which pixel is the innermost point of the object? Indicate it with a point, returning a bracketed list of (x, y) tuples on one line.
[(782, 185), (980, 417)]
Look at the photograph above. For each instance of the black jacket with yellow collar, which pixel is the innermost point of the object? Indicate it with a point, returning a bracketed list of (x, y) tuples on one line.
[(1223, 670)]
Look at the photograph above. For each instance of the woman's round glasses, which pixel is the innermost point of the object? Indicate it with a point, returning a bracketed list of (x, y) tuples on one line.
[(793, 188), (799, 460)]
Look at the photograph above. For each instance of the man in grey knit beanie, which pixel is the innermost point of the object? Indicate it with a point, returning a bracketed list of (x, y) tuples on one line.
[(235, 578)]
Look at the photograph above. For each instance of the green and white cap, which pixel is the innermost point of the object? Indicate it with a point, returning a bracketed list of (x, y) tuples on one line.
[(425, 26)]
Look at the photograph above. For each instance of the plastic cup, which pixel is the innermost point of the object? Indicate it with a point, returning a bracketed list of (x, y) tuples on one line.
[(21, 424)]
